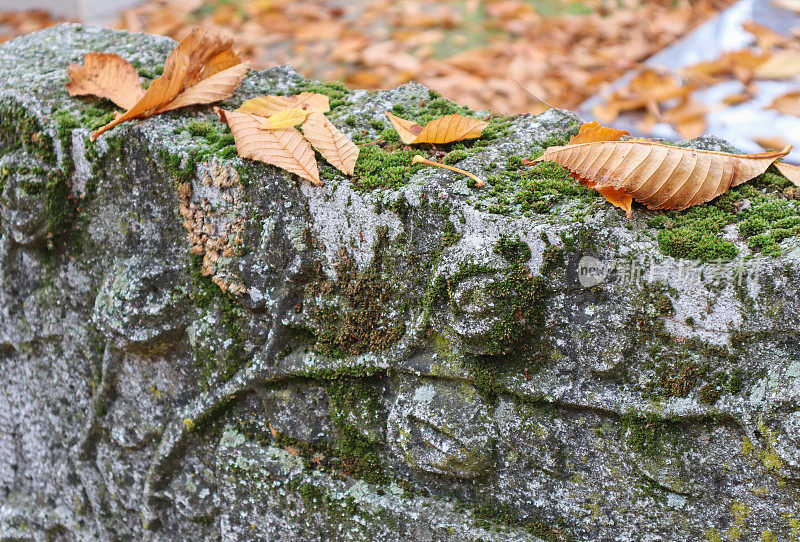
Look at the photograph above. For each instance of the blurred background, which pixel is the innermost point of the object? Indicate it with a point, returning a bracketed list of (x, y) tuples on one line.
[(671, 69)]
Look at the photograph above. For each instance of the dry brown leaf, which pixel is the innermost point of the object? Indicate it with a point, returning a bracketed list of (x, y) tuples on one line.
[(645, 91), (438, 131), (594, 131), (736, 98), (789, 171), (286, 149), (266, 106), (658, 176), (766, 38), (771, 143), (284, 119), (787, 104), (688, 118), (740, 64), (105, 75), (783, 64), (332, 144), (201, 69)]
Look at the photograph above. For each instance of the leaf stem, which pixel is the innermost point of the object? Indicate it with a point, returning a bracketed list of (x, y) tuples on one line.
[(420, 160)]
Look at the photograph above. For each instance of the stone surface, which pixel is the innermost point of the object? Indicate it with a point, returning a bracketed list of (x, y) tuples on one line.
[(199, 347)]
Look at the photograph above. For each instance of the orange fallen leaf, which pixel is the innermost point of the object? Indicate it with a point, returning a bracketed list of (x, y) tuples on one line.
[(648, 90), (688, 118), (656, 175), (332, 144), (286, 148), (769, 143), (740, 64), (787, 104), (789, 171), (201, 69), (266, 106), (442, 130), (766, 38), (284, 119), (783, 64), (105, 75), (736, 98)]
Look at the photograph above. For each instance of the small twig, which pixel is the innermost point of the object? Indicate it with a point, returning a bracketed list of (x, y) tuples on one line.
[(370, 142), (526, 89), (420, 160)]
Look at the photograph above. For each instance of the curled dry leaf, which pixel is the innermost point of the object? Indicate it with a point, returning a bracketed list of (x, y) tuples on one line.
[(332, 144), (770, 143), (105, 75), (659, 176), (787, 104), (284, 119), (286, 148), (789, 171), (201, 69), (442, 130), (266, 106)]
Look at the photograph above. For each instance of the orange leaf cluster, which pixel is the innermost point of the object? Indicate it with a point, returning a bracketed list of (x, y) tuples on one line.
[(263, 129), (659, 176), (202, 69), (564, 51), (667, 97)]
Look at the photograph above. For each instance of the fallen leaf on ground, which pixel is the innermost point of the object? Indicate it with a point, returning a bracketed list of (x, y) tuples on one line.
[(783, 64), (766, 38), (286, 148), (105, 75), (688, 118), (789, 171), (284, 119), (770, 143), (736, 98), (442, 130), (739, 64), (332, 144), (267, 106), (648, 90), (658, 176), (787, 104), (201, 69)]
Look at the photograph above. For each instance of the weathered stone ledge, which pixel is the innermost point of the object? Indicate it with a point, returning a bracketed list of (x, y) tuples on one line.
[(201, 347)]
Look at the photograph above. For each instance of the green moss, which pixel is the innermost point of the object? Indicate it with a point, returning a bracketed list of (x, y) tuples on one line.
[(648, 435), (352, 315), (352, 402), (512, 249), (95, 116), (764, 221), (180, 169), (454, 156), (492, 512), (377, 125), (552, 258), (200, 129), (19, 128), (379, 167), (450, 236), (533, 190), (208, 296)]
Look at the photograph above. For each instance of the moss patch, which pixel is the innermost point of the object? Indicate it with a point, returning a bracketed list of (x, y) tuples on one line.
[(351, 315)]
